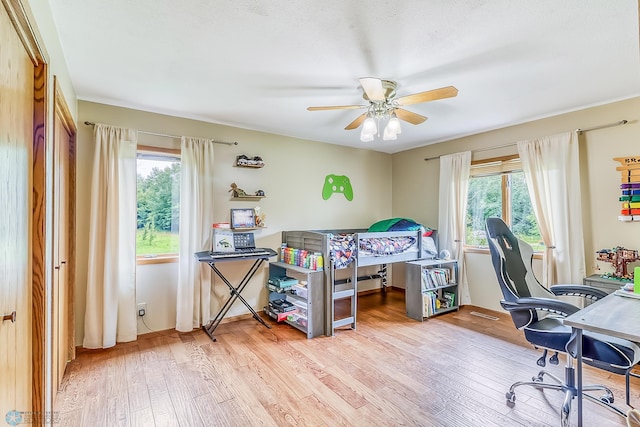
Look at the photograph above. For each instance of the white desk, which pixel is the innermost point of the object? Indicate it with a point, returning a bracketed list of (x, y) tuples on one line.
[(613, 315)]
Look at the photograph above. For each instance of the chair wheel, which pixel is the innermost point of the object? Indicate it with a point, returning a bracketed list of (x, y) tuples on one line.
[(511, 399), (607, 398)]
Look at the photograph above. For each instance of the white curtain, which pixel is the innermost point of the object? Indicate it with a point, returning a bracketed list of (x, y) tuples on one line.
[(551, 169), (110, 314), (452, 209), (196, 219)]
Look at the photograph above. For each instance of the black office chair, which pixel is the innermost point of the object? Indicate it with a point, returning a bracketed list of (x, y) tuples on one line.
[(539, 313)]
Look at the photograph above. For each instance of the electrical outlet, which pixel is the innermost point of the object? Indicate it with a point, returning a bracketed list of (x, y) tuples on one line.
[(142, 309)]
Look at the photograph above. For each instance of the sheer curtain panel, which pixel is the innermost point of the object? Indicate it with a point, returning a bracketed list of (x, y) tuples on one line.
[(110, 314), (452, 209), (551, 169), (196, 219)]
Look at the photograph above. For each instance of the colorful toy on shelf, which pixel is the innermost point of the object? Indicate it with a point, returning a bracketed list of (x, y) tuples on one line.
[(630, 188), (619, 257)]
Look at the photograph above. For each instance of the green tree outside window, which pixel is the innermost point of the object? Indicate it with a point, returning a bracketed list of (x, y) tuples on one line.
[(158, 192)]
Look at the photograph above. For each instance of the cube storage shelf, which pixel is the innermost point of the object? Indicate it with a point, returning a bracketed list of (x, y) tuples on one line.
[(430, 280), (309, 314)]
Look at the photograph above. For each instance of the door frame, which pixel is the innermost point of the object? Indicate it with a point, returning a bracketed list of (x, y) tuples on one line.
[(39, 293), (61, 110)]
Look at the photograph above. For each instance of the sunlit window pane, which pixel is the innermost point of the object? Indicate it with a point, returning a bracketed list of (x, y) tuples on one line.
[(485, 200), (158, 190), (523, 220)]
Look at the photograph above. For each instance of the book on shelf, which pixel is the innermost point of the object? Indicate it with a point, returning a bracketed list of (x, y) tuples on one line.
[(434, 301), (430, 303), (448, 300), (435, 277)]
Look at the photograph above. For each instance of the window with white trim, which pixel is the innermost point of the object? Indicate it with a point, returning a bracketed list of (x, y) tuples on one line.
[(497, 188)]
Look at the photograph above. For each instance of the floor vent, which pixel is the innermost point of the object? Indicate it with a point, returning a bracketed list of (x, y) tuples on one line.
[(486, 316)]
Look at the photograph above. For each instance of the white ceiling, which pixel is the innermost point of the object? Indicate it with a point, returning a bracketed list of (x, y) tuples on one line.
[(258, 64)]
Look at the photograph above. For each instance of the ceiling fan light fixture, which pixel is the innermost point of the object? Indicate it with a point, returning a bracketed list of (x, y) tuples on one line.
[(365, 137), (389, 134), (384, 106), (369, 126), (394, 124)]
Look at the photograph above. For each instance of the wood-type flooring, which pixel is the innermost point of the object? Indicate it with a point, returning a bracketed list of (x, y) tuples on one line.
[(450, 370)]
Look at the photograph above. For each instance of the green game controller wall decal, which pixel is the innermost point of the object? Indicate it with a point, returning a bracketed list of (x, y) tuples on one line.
[(337, 184)]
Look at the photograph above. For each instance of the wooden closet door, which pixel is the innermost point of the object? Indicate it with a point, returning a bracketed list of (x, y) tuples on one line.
[(16, 157), (63, 283), (60, 288)]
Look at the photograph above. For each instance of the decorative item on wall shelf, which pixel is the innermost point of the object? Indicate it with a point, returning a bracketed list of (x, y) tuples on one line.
[(619, 257), (239, 194), (629, 187), (243, 161), (260, 217), (243, 219)]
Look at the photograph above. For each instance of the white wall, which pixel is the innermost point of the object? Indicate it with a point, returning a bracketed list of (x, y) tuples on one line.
[(292, 180), (47, 34), (413, 176), (156, 285)]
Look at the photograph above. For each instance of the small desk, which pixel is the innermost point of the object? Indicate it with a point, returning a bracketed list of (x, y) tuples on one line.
[(603, 283), (258, 257), (613, 315)]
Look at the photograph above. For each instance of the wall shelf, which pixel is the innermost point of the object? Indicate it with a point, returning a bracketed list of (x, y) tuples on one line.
[(254, 162), (247, 198), (249, 166)]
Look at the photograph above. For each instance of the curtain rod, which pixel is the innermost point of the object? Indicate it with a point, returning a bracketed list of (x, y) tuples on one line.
[(164, 135), (618, 123)]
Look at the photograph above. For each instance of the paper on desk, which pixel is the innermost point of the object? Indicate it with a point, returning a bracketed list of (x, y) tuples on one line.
[(628, 294)]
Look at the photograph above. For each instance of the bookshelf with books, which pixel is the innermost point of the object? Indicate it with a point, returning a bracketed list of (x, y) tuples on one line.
[(431, 287)]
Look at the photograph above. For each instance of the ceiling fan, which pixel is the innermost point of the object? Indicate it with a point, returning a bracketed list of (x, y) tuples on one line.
[(383, 104)]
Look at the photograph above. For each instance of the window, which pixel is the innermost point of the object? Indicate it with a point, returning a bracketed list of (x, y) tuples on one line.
[(158, 193), (497, 188)]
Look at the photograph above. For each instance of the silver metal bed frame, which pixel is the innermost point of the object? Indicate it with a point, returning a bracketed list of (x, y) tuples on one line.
[(335, 289)]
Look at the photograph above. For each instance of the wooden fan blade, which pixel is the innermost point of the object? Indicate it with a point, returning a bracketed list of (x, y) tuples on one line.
[(373, 88), (408, 116), (429, 95), (357, 122), (337, 107)]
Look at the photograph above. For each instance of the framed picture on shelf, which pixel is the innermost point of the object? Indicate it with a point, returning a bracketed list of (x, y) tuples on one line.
[(243, 218)]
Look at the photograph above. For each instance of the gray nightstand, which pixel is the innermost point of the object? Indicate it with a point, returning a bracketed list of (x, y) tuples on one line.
[(606, 285)]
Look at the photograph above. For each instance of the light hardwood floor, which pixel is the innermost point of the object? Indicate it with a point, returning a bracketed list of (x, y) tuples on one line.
[(451, 370)]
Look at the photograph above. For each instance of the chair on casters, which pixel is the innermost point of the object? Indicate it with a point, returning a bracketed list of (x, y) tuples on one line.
[(539, 313)]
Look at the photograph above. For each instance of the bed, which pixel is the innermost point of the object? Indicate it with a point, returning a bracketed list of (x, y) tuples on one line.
[(353, 248), (340, 248)]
